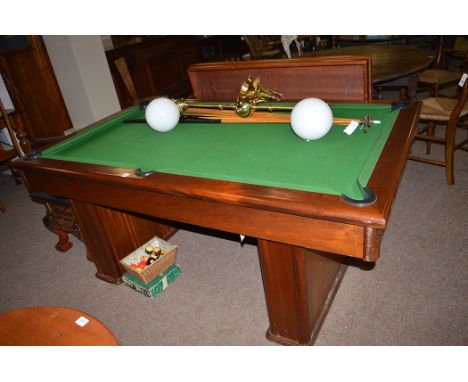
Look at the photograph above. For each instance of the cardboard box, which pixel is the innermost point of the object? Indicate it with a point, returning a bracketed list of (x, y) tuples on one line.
[(155, 286)]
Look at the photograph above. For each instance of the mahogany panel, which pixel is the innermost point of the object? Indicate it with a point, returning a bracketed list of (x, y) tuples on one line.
[(338, 78)]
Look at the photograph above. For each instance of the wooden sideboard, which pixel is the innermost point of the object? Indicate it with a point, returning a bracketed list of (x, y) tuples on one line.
[(158, 64), (34, 90)]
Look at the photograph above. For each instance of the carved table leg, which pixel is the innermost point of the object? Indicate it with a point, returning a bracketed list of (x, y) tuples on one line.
[(61, 221)]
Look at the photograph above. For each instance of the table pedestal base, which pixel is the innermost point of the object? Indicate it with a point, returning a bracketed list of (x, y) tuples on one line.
[(110, 235), (300, 285)]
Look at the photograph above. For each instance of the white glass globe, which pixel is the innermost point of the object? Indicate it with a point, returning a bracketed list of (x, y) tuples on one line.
[(311, 118), (162, 114)]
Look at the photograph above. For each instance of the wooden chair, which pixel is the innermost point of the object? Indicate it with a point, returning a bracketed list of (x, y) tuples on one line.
[(262, 48), (447, 111), (330, 78), (437, 77), (122, 68), (6, 154)]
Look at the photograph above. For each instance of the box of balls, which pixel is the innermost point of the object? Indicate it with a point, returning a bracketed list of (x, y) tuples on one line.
[(150, 260), (156, 286)]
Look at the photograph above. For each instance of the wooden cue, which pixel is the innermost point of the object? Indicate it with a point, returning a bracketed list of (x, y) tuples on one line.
[(229, 116)]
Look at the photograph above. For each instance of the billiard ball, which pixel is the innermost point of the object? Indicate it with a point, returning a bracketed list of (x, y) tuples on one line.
[(149, 249), (151, 259), (311, 119), (162, 114)]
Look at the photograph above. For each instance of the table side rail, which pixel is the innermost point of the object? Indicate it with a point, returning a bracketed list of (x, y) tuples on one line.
[(389, 170), (294, 202), (315, 233)]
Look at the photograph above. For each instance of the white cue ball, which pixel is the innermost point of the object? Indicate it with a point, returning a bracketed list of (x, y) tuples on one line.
[(162, 114), (311, 119)]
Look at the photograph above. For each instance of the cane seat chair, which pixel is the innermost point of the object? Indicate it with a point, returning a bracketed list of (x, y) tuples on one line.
[(447, 112), (437, 77), (8, 153)]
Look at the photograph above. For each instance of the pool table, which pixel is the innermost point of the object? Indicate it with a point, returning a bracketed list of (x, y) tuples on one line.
[(311, 205)]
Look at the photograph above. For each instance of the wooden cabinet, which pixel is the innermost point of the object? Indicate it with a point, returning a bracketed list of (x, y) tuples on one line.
[(157, 65), (34, 90)]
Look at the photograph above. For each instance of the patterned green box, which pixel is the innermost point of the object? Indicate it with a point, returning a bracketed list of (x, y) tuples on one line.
[(155, 286)]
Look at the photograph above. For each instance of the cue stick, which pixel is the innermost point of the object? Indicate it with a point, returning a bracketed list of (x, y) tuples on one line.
[(183, 119), (228, 116)]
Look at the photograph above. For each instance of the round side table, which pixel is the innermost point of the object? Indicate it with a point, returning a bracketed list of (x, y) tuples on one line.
[(53, 326)]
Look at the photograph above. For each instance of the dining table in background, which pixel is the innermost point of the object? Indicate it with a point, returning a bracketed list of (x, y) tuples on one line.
[(393, 66)]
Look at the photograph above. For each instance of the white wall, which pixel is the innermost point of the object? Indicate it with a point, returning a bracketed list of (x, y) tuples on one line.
[(84, 77), (4, 95), (7, 104)]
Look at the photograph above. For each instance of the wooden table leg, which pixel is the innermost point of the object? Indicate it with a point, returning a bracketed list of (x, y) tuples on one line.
[(60, 220), (407, 87), (300, 285), (412, 86)]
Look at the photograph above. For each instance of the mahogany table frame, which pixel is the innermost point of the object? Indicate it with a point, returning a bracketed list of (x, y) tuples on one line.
[(117, 211)]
